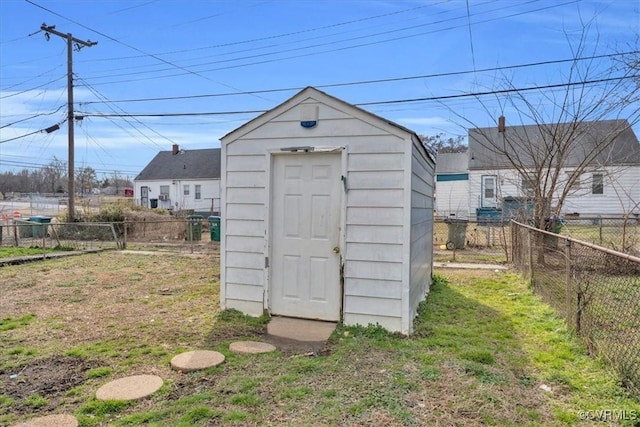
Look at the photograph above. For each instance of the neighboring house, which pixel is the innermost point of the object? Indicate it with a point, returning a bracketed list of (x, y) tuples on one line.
[(327, 214), (452, 185), (181, 180), (608, 187)]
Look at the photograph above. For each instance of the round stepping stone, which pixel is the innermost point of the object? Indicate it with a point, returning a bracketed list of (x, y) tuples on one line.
[(251, 347), (57, 420), (130, 388), (196, 360)]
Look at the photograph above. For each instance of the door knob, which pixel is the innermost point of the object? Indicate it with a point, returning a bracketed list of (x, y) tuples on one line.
[(336, 250)]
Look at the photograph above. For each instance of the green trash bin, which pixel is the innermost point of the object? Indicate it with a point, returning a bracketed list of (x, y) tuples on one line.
[(25, 228), (40, 231), (194, 227), (214, 228), (554, 226), (457, 236)]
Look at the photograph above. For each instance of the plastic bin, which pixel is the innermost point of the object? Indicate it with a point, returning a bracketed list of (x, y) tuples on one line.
[(154, 203), (457, 237), (25, 228), (194, 227), (40, 231), (214, 228), (554, 226)]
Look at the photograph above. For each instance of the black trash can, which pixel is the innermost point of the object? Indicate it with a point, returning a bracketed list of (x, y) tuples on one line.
[(194, 227), (457, 236), (153, 203)]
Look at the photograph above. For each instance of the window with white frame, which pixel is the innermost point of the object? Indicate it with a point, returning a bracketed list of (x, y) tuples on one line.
[(185, 189), (198, 192), (526, 185), (164, 189), (597, 183)]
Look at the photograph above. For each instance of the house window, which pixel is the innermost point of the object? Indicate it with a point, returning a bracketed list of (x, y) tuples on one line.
[(198, 192), (526, 185), (597, 184), (489, 188), (185, 189), (164, 189)]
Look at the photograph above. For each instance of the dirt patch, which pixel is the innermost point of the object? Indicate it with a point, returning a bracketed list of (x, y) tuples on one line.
[(49, 379)]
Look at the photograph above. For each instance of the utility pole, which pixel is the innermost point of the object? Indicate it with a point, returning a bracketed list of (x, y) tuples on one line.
[(50, 29)]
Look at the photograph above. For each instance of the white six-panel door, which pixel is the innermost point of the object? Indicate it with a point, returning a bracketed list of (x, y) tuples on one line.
[(305, 221)]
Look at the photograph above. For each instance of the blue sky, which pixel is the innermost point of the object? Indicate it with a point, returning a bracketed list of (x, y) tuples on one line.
[(191, 50)]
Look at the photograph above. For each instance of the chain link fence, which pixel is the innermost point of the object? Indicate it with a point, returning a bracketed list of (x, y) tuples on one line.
[(171, 234), (596, 289)]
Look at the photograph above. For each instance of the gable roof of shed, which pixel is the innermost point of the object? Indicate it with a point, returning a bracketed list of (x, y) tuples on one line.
[(186, 164), (306, 93), (624, 149)]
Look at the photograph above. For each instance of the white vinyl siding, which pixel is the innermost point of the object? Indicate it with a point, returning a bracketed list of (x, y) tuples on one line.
[(620, 187), (381, 253)]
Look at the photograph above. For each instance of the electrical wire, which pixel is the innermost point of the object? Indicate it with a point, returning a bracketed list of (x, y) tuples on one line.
[(396, 101), (33, 117), (367, 82)]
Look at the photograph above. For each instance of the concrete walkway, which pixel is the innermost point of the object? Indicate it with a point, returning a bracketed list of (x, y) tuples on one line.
[(470, 266), (298, 336)]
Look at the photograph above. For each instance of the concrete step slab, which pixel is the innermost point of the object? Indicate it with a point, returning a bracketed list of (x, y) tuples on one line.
[(251, 347), (130, 388), (196, 360), (300, 329), (56, 420)]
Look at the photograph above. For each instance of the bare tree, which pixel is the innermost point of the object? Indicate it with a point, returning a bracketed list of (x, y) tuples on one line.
[(439, 143), (54, 174), (576, 126)]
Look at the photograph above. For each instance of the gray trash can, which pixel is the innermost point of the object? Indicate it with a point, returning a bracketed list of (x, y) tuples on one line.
[(457, 237)]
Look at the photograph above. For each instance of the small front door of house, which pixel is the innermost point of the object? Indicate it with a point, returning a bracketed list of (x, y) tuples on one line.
[(144, 196), (488, 197), (305, 221)]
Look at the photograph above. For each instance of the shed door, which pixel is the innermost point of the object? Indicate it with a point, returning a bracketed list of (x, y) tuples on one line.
[(305, 259), (489, 190)]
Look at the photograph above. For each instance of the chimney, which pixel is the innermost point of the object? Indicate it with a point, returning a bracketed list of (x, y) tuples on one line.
[(176, 148), (501, 124)]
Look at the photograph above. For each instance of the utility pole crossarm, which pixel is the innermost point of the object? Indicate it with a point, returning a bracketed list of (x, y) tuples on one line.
[(51, 29), (79, 44)]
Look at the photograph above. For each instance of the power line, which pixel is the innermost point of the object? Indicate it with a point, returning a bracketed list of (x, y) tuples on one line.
[(131, 47), (45, 130), (32, 117), (319, 52), (366, 82), (396, 101)]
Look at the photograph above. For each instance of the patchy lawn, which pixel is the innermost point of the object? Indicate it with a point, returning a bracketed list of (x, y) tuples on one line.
[(485, 352)]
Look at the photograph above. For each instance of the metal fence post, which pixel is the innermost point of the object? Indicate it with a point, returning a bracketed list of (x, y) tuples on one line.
[(569, 295), (530, 245), (124, 243)]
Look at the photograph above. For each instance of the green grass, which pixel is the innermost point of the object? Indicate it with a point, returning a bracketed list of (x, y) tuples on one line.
[(9, 323), (13, 251), (485, 350)]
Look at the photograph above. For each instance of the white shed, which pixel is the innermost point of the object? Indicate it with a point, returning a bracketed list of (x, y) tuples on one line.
[(327, 213)]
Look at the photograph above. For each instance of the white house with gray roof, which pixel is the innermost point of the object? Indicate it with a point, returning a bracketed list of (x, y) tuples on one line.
[(609, 187), (452, 185), (181, 180)]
